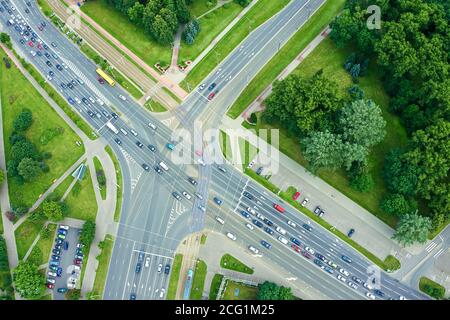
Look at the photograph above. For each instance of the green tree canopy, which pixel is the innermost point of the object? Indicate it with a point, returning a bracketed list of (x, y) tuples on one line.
[(52, 210), (271, 291), (23, 120), (412, 228), (28, 281), (28, 169)]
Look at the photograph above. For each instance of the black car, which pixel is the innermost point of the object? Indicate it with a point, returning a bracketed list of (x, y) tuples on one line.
[(346, 259), (55, 257), (259, 171), (222, 169), (70, 85), (45, 46), (192, 181), (58, 66), (248, 195), (117, 140), (351, 232), (54, 44), (47, 55), (51, 73), (379, 293), (268, 230), (151, 147), (176, 195), (167, 269), (157, 169), (257, 223), (307, 227), (63, 85), (266, 244), (145, 167), (85, 101), (48, 63), (139, 144), (58, 246), (294, 240), (133, 296), (321, 257), (56, 251), (39, 53), (114, 115), (22, 41), (138, 267), (91, 114), (268, 222), (318, 262)]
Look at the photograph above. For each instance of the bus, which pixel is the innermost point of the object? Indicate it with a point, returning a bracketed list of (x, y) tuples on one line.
[(105, 77), (112, 127), (188, 285)]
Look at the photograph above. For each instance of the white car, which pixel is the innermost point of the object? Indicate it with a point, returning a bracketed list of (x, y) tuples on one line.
[(79, 245), (249, 226), (151, 125), (282, 240), (253, 249), (64, 227), (251, 210), (33, 53), (200, 161), (292, 224), (352, 285), (51, 280), (220, 220), (161, 293), (310, 250), (280, 230), (341, 278), (159, 267), (231, 236), (402, 298), (51, 274), (370, 295), (91, 99), (147, 262), (134, 132), (186, 195), (202, 86), (100, 102), (77, 100), (343, 271), (367, 286), (305, 201), (202, 208), (260, 216), (122, 97)]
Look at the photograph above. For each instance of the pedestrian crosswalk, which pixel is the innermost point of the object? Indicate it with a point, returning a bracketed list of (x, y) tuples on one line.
[(431, 246)]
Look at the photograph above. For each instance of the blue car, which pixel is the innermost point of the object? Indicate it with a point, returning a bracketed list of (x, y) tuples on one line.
[(245, 214), (257, 223), (218, 201), (59, 272), (266, 244), (318, 262), (170, 146), (212, 86), (294, 240), (66, 245), (71, 101), (346, 259), (268, 230)]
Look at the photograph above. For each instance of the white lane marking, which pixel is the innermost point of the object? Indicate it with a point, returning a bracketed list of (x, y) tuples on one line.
[(154, 254)]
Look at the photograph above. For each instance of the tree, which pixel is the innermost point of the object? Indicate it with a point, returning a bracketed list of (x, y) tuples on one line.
[(2, 176), (35, 256), (73, 294), (45, 233), (23, 120), (182, 11), (29, 169), (10, 215), (52, 210), (24, 149), (243, 3), (397, 204), (5, 38), (136, 14), (161, 31), (87, 234), (412, 228), (323, 150), (400, 176), (271, 291), (29, 282), (343, 28), (362, 183), (362, 122)]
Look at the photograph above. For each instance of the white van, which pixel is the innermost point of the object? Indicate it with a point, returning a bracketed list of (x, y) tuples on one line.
[(220, 220), (164, 166), (282, 240)]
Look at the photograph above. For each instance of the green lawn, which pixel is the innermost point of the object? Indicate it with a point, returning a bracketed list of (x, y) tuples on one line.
[(431, 288), (198, 282), (229, 262), (1, 222), (81, 199), (329, 58), (225, 145), (25, 235), (211, 25), (244, 292), (98, 167), (155, 106), (286, 55), (127, 33), (257, 15), (215, 286), (63, 186), (103, 265), (248, 151), (199, 7), (17, 93), (45, 245), (119, 183), (174, 277)]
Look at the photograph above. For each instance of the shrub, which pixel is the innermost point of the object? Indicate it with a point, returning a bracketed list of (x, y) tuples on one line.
[(362, 183)]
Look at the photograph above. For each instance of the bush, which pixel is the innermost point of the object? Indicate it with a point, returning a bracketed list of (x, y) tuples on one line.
[(243, 3), (101, 177), (45, 233), (23, 120), (73, 294), (398, 204), (362, 183)]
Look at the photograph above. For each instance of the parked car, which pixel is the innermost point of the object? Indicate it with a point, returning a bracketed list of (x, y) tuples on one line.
[(62, 290), (351, 232), (296, 195)]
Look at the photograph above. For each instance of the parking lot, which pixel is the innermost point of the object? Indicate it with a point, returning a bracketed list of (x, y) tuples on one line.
[(68, 274)]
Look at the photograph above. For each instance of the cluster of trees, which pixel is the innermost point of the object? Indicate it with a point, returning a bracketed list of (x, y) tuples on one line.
[(28, 281), (411, 50), (159, 18), (243, 3), (336, 133), (87, 235), (4, 272), (271, 291), (5, 39)]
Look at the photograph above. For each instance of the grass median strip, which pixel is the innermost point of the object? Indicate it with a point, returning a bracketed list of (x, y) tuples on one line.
[(174, 277), (101, 177), (286, 55), (103, 264), (119, 194), (215, 286), (229, 262), (198, 282), (431, 288)]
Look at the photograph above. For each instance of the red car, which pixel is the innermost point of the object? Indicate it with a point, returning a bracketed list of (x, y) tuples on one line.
[(77, 261), (306, 255), (39, 46), (101, 81), (211, 95), (279, 208), (296, 195), (30, 43), (50, 285), (295, 247)]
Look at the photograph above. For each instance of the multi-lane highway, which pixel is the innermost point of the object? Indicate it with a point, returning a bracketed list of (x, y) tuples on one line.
[(153, 221)]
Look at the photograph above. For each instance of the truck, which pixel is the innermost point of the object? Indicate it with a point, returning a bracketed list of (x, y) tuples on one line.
[(112, 127)]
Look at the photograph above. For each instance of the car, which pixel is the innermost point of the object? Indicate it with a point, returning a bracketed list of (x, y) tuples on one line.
[(266, 244), (77, 262), (218, 201), (223, 170), (139, 144), (317, 210), (379, 293), (245, 214), (122, 97), (58, 246), (304, 202), (321, 257), (370, 295), (346, 259), (151, 125), (296, 195), (52, 281), (91, 114), (292, 224), (100, 80), (328, 269), (253, 249), (176, 195), (296, 248), (345, 272), (269, 231), (318, 262), (48, 63), (58, 66), (61, 236), (117, 140), (85, 101), (138, 267), (306, 254), (79, 256), (49, 285), (257, 223), (203, 208), (51, 274), (332, 264), (64, 227), (192, 181), (56, 251), (211, 86), (30, 43), (367, 286), (186, 195), (340, 277), (145, 166), (22, 41), (161, 293), (134, 133), (220, 220), (211, 95), (268, 222), (295, 240), (71, 101), (198, 195), (151, 147), (351, 232), (62, 231), (79, 81), (352, 285), (260, 216), (355, 279), (147, 262), (63, 86), (59, 241), (132, 296), (280, 230), (402, 298), (167, 269), (202, 86), (307, 227), (114, 115), (157, 169), (62, 290), (201, 162), (259, 171), (248, 195), (159, 267), (170, 146), (59, 271), (231, 236), (54, 44), (310, 250), (54, 263)]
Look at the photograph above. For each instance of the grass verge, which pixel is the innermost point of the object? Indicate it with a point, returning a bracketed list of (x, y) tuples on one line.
[(215, 286), (26, 233), (119, 183), (174, 277), (99, 169), (431, 288), (5, 274), (198, 282), (44, 246), (229, 262), (155, 106), (103, 263)]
